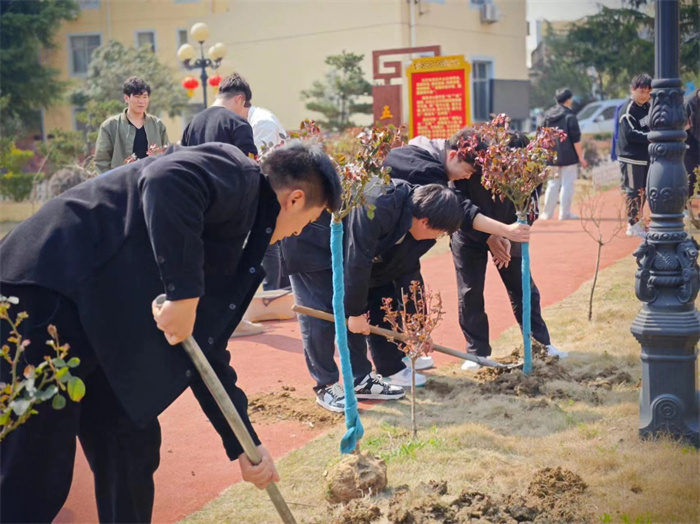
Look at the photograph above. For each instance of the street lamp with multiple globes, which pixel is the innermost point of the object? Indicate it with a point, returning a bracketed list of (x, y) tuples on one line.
[(187, 53)]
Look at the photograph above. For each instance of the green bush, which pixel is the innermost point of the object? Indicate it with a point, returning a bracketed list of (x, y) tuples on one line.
[(16, 186)]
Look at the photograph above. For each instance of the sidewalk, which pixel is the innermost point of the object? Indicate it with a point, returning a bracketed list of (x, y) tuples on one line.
[(194, 468)]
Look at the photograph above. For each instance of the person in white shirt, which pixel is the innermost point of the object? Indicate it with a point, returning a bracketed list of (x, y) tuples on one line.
[(267, 130)]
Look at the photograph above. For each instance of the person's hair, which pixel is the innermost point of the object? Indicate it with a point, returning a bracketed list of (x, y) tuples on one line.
[(562, 95), (440, 205), (234, 85), (135, 86), (305, 166), (642, 80), (461, 136), (518, 139)]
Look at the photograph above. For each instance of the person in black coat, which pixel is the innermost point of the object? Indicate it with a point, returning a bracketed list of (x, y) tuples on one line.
[(470, 253), (382, 257), (193, 223), (219, 123), (692, 154), (633, 151)]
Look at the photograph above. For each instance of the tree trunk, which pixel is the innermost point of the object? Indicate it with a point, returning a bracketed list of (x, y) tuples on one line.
[(413, 398), (595, 276)]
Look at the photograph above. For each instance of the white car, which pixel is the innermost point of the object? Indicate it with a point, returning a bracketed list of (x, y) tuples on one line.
[(598, 117)]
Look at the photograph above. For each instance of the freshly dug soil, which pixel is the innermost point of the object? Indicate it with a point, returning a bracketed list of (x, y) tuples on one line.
[(358, 511), (355, 476), (606, 379), (551, 497), (282, 405)]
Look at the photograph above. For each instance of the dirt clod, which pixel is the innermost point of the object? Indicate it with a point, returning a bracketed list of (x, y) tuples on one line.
[(282, 405), (552, 482), (355, 476), (358, 511)]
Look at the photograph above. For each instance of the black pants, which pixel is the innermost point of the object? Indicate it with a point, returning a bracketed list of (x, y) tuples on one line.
[(315, 290), (634, 184), (470, 260), (36, 460)]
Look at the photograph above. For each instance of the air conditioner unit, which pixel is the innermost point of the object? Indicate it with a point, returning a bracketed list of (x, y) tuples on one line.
[(489, 13)]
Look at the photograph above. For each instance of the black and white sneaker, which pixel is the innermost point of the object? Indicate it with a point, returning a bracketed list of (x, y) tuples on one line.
[(331, 398), (373, 387)]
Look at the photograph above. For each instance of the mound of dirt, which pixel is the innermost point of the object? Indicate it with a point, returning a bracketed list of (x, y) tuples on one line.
[(606, 379), (282, 405), (358, 511), (355, 476), (551, 497)]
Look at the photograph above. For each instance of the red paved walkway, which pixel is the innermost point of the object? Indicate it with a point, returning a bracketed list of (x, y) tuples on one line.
[(194, 468)]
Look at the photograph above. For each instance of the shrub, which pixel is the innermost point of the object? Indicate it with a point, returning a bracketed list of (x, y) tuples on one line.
[(16, 186)]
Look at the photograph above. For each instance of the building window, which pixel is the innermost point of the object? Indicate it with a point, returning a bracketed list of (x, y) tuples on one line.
[(81, 48), (479, 2), (89, 4), (146, 38), (481, 90), (182, 37), (186, 1)]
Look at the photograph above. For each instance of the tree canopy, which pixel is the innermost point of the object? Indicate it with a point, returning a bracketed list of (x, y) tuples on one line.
[(338, 97), (27, 85)]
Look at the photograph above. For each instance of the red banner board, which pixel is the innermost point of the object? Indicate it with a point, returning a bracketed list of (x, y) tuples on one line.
[(439, 103)]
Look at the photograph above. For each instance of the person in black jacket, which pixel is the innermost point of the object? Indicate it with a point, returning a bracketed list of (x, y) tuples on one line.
[(633, 151), (470, 253), (193, 223), (692, 154), (569, 155), (382, 257), (219, 123)]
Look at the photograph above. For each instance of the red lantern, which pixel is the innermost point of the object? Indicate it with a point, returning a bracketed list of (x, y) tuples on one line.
[(190, 83), (214, 81)]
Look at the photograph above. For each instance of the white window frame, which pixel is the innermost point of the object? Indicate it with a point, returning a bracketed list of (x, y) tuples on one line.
[(69, 47), (492, 68), (137, 32)]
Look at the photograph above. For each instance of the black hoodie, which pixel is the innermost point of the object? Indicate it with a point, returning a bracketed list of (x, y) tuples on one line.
[(564, 118), (633, 142)]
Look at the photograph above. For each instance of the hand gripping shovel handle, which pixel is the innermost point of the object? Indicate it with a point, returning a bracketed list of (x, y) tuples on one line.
[(393, 335), (234, 419)]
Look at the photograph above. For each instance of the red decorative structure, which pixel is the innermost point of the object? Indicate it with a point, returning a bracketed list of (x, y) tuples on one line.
[(214, 81), (190, 83)]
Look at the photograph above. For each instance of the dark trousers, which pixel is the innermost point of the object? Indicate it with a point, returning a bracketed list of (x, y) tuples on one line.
[(315, 290), (272, 264), (634, 183), (470, 260), (691, 161), (36, 460)]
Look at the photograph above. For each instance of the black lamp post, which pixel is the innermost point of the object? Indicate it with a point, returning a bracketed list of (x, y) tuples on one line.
[(186, 54), (668, 325)]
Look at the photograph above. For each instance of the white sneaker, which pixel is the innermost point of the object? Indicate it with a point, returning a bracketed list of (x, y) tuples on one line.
[(554, 352), (331, 398), (570, 216), (403, 379), (373, 387), (421, 363), (636, 230), (470, 366), (543, 216), (247, 328)]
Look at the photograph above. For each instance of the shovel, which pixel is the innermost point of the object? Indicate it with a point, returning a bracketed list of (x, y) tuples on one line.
[(233, 418), (393, 335)]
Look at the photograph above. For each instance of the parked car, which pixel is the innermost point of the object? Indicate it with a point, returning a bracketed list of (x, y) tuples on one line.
[(598, 117)]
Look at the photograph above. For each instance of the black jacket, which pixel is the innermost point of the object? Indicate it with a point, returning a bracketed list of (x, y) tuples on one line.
[(564, 118), (633, 142), (692, 111), (218, 124), (176, 223), (419, 167), (376, 251)]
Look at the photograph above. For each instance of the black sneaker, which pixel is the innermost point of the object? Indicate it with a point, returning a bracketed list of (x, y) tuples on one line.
[(373, 387), (331, 398)]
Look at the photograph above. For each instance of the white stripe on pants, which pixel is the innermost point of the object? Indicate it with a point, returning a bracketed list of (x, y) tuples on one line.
[(562, 182)]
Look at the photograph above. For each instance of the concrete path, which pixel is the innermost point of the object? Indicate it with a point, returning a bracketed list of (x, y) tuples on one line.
[(194, 468)]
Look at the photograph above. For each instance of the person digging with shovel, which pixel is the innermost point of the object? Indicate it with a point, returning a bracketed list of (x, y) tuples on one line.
[(193, 223), (382, 257)]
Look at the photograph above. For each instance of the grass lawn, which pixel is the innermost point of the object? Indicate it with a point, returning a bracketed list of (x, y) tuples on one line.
[(479, 439)]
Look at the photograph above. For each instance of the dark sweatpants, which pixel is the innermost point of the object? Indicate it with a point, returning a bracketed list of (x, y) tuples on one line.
[(36, 460), (315, 290), (634, 184), (470, 260)]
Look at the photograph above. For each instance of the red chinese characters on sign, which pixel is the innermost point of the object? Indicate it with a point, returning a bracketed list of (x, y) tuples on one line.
[(439, 96)]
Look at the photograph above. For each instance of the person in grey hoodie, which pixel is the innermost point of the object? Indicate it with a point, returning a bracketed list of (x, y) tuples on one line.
[(569, 155)]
